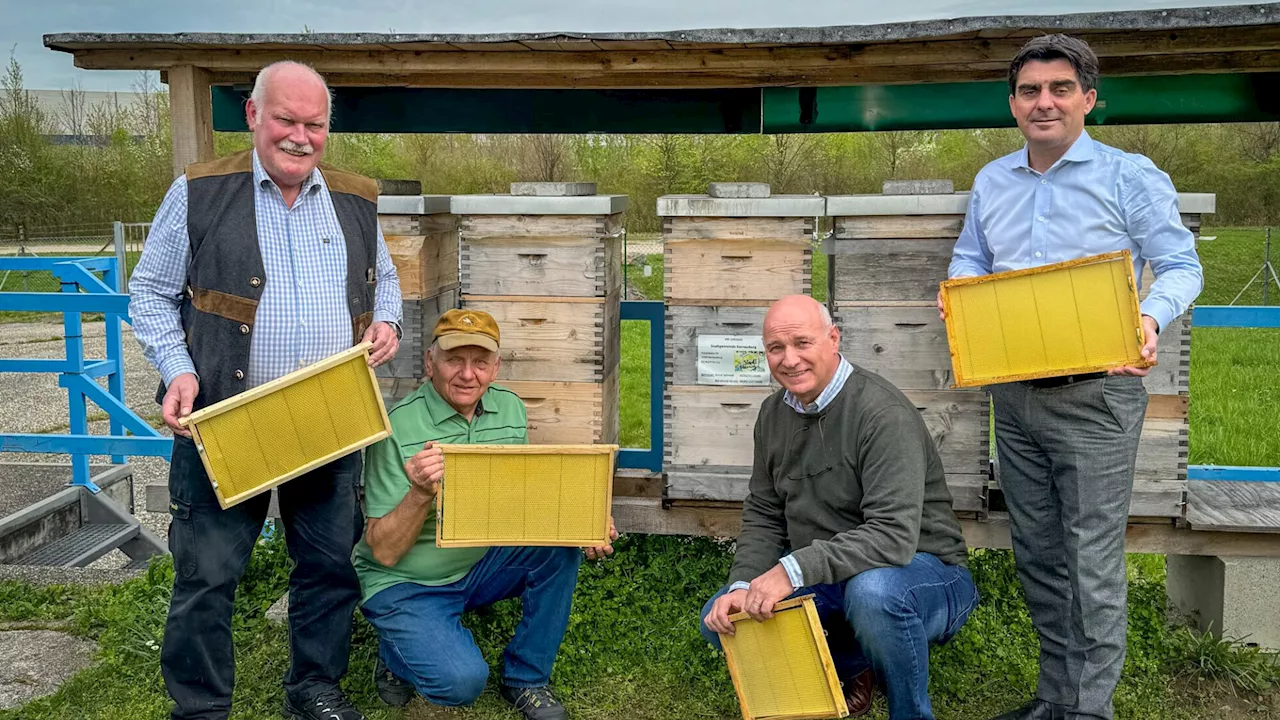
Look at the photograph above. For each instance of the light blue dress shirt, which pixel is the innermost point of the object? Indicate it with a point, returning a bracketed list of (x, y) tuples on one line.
[(1095, 199), (829, 393), (303, 316)]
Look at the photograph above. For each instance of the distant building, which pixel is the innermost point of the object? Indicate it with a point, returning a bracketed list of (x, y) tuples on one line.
[(70, 114)]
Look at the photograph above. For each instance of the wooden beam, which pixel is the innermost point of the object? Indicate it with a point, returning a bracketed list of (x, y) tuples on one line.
[(191, 113), (643, 515), (576, 58), (832, 76)]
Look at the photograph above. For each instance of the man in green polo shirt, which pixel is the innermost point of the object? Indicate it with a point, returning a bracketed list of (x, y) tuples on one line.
[(413, 592)]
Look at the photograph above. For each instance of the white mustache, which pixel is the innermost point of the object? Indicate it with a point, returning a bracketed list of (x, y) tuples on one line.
[(290, 146)]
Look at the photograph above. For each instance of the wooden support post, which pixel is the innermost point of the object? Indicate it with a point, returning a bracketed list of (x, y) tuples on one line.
[(191, 112)]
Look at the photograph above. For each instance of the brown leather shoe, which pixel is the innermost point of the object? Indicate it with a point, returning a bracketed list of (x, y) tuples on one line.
[(859, 692)]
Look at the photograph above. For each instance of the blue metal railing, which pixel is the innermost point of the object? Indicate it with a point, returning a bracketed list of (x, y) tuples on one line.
[(1234, 316), (653, 312), (83, 291)]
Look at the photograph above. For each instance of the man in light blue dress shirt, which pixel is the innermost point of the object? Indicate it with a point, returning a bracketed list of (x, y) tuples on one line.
[(1068, 445), (259, 264)]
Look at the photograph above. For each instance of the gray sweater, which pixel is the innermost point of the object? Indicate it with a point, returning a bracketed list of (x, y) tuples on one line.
[(856, 486)]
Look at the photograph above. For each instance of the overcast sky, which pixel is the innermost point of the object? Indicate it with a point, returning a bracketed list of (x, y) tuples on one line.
[(24, 22)]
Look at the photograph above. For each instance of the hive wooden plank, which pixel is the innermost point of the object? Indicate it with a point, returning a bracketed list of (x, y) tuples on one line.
[(760, 270), (569, 413), (888, 270), (1079, 316), (1160, 476), (426, 263), (556, 341), (567, 266), (709, 425), (478, 227), (730, 484), (1234, 506), (544, 266), (782, 667), (418, 320), (525, 495), (898, 226), (959, 423), (798, 230), (905, 345), (1172, 372), (285, 428), (400, 224)]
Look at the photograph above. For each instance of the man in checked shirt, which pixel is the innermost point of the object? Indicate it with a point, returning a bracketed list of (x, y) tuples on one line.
[(259, 264)]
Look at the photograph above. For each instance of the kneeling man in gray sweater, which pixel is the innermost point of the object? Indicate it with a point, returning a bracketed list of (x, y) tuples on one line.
[(848, 502)]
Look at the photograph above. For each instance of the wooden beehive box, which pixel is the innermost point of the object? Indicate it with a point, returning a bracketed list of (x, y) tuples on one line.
[(263, 437), (728, 256), (422, 239), (546, 263), (525, 495), (782, 667)]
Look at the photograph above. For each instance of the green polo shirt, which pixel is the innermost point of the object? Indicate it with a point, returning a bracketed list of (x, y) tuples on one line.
[(419, 418)]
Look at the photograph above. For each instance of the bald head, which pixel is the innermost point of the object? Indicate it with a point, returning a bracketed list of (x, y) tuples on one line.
[(294, 74), (802, 345), (798, 307)]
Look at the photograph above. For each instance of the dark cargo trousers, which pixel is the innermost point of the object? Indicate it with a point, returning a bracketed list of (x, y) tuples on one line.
[(211, 547)]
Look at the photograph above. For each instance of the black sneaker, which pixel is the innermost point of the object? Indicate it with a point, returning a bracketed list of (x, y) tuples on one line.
[(534, 703), (327, 704), (393, 691)]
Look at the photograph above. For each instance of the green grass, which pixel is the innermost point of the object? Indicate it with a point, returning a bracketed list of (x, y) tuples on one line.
[(632, 649), (1234, 383)]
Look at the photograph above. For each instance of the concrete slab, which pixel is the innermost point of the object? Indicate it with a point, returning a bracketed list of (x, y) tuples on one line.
[(918, 187), (34, 663), (413, 204), (524, 205), (774, 206), (1203, 203), (739, 190), (553, 189), (1232, 597)]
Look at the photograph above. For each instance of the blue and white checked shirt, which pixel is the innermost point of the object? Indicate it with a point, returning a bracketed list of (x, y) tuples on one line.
[(1095, 199), (303, 315), (829, 393)]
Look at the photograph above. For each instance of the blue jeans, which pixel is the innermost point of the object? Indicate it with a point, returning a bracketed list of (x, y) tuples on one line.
[(885, 618), (422, 639)]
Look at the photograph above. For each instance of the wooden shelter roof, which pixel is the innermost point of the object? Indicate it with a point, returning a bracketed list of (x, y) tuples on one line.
[(1224, 38)]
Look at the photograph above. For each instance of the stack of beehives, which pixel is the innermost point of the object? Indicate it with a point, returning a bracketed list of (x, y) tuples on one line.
[(728, 255), (546, 262), (888, 253), (422, 238)]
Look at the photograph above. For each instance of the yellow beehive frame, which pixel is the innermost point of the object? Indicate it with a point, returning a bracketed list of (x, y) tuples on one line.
[(758, 649), (208, 425), (1118, 337), (513, 470)]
